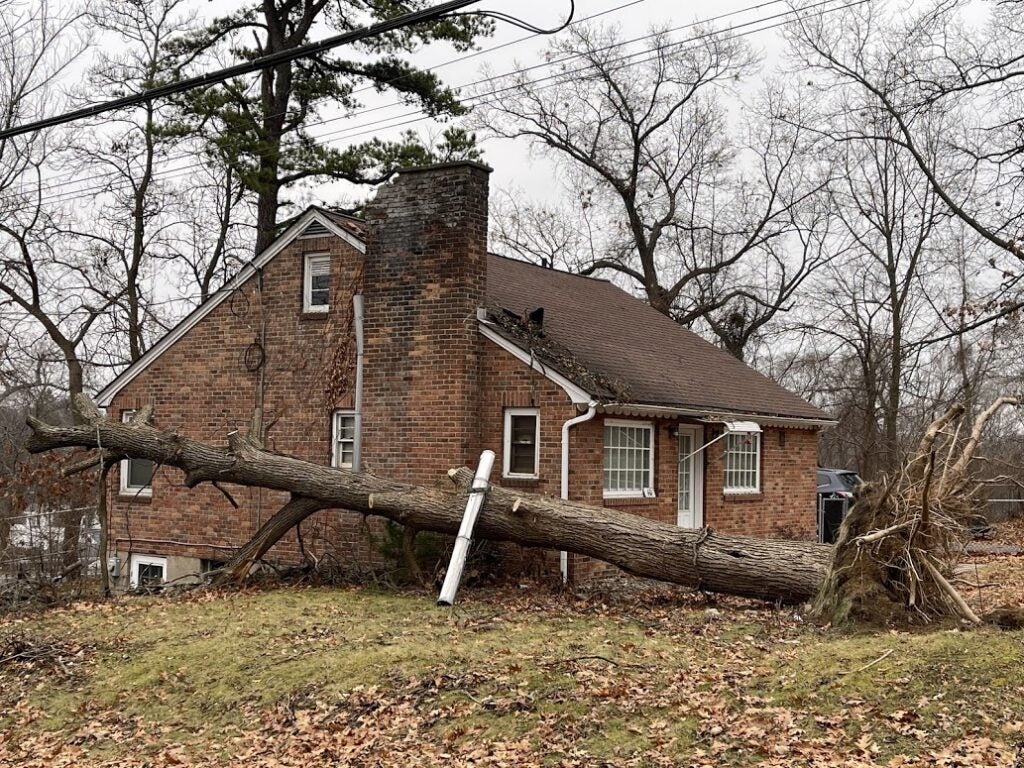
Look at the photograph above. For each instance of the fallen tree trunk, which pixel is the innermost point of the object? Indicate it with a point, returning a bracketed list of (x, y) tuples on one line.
[(786, 571)]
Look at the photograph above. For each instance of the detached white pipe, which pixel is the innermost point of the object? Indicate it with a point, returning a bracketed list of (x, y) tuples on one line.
[(357, 444), (563, 557), (476, 500)]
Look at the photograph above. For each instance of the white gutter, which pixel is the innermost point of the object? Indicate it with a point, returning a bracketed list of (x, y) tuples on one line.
[(713, 417), (357, 446), (563, 557)]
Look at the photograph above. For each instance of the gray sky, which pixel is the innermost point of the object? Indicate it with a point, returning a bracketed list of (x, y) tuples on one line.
[(512, 161)]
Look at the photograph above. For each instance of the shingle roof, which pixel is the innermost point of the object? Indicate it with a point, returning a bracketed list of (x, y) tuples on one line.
[(623, 342)]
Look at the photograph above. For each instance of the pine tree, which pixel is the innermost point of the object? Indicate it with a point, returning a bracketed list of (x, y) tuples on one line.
[(259, 123)]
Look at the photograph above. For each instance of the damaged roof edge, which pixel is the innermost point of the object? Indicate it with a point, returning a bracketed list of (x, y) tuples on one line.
[(577, 394)]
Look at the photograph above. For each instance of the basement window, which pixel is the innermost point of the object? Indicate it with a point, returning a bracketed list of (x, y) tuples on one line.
[(742, 462), (316, 290), (136, 474), (522, 443), (148, 571), (628, 459), (344, 440)]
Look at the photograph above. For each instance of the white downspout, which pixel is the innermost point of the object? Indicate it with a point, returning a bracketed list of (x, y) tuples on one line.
[(357, 446), (563, 558), (461, 548)]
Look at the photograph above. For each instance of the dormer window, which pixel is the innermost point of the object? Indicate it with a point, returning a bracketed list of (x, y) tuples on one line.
[(316, 293)]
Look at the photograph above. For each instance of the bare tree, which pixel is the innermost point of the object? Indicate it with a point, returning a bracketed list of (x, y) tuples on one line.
[(888, 210), (43, 293), (643, 143), (129, 232), (47, 297), (944, 82), (550, 236), (215, 227)]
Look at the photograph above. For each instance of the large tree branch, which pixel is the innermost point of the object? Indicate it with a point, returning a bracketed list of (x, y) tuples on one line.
[(736, 565)]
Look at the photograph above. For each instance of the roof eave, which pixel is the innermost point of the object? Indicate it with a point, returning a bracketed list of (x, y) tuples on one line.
[(580, 396), (576, 393), (714, 416)]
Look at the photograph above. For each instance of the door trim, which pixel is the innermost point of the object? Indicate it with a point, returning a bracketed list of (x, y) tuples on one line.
[(696, 468)]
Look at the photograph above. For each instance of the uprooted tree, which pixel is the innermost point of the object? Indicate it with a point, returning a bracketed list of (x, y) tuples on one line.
[(896, 548)]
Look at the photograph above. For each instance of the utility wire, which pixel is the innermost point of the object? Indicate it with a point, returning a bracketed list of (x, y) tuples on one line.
[(546, 82), (58, 180), (263, 62)]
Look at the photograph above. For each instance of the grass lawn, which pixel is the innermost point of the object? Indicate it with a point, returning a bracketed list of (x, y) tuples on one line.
[(329, 676)]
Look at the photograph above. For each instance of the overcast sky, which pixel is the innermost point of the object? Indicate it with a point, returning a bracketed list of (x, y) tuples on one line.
[(512, 161)]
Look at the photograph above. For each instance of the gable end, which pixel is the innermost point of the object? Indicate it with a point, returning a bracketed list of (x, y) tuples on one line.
[(311, 217)]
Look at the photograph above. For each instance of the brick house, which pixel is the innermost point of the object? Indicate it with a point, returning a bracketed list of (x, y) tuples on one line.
[(579, 388)]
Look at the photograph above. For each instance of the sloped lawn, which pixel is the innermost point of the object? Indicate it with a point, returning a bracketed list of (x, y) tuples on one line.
[(312, 677)]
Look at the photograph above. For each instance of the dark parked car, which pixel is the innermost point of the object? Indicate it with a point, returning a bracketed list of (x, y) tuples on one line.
[(837, 483), (837, 490)]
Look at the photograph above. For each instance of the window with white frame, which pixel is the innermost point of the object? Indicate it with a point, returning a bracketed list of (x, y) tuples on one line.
[(147, 571), (344, 440), (316, 290), (136, 474), (628, 459), (742, 463), (522, 443)]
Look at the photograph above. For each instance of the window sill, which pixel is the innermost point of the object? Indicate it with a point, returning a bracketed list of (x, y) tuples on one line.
[(309, 315), (130, 497), (629, 501), (742, 495), (519, 481)]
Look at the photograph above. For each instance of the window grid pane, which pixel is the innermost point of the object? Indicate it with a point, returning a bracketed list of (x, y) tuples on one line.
[(627, 459), (740, 461), (344, 440), (138, 472), (522, 444), (150, 574), (319, 280)]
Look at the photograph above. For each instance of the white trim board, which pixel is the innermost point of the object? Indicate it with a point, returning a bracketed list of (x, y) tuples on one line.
[(575, 393), (712, 417), (139, 560), (506, 443), (107, 394)]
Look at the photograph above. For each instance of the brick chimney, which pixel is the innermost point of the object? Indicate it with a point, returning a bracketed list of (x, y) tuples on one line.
[(426, 275)]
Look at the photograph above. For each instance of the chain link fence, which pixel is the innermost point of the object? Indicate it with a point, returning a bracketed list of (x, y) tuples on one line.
[(34, 545)]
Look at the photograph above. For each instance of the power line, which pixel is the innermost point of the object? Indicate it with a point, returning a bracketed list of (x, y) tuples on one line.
[(177, 172), (263, 62), (56, 181), (416, 116)]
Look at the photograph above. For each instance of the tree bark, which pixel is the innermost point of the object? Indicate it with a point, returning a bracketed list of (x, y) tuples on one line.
[(785, 571)]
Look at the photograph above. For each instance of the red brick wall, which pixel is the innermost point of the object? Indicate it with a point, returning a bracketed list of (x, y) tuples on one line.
[(786, 506), (201, 387), (434, 396)]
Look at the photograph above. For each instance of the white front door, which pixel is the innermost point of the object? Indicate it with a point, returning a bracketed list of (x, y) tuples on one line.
[(690, 498)]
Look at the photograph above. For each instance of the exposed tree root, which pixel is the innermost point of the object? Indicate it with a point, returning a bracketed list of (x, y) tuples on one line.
[(896, 550)]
